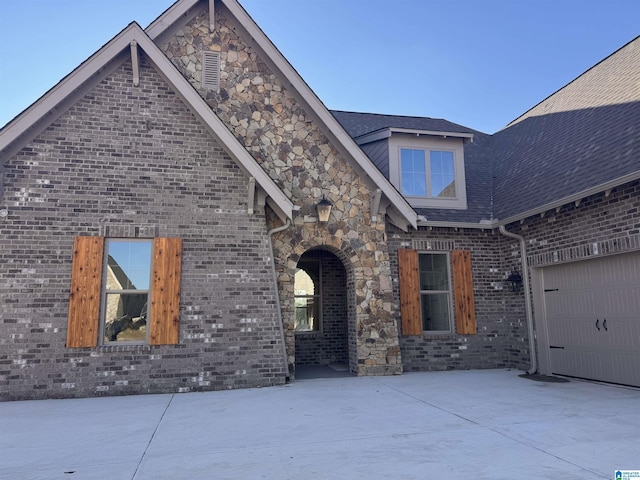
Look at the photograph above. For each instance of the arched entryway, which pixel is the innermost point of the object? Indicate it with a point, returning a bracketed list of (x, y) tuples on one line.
[(322, 314)]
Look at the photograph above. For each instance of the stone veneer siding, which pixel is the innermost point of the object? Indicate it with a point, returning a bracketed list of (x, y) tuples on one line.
[(501, 339), (134, 162), (273, 125), (328, 346)]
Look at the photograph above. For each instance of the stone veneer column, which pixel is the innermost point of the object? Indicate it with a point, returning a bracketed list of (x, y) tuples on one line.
[(272, 124)]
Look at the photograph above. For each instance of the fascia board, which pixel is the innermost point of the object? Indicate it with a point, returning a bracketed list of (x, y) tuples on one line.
[(321, 111), (181, 86), (169, 17), (433, 133), (215, 126), (65, 87), (572, 198), (481, 226), (489, 224), (387, 132)]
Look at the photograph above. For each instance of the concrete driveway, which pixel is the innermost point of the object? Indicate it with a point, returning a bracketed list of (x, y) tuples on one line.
[(465, 424)]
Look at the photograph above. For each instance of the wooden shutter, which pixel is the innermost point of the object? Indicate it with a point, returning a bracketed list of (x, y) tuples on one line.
[(84, 300), (463, 292), (165, 291), (409, 292)]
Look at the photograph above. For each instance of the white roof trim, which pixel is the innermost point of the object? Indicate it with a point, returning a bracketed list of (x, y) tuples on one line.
[(180, 8), (321, 112), (495, 223), (182, 87), (484, 226), (388, 131), (603, 187), (169, 17)]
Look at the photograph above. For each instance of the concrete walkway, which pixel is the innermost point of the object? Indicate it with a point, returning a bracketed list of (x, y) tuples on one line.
[(467, 424)]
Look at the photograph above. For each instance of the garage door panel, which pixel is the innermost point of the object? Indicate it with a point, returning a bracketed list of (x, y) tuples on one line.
[(625, 369), (580, 363), (592, 317), (622, 302), (620, 269)]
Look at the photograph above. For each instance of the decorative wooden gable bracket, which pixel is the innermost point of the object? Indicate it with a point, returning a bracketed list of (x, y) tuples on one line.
[(375, 204), (212, 15), (380, 206), (251, 194), (264, 199), (135, 63), (396, 219)]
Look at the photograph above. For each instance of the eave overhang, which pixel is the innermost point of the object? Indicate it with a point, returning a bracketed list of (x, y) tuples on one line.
[(331, 127), (389, 131), (556, 205), (20, 130)]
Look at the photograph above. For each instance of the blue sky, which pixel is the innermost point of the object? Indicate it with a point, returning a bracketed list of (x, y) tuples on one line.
[(480, 63)]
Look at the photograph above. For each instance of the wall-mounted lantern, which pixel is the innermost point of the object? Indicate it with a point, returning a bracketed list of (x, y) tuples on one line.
[(514, 280), (324, 210)]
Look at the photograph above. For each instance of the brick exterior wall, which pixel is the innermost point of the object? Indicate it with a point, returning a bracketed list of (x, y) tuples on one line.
[(606, 224), (134, 162), (501, 339), (329, 346), (612, 222)]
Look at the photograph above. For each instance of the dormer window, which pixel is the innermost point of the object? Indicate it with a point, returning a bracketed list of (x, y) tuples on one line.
[(428, 170), (427, 173)]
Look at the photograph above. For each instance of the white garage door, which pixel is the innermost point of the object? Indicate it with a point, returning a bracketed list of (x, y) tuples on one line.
[(593, 318)]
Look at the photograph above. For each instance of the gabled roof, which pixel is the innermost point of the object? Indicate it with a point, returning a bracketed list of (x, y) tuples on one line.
[(46, 109), (361, 124), (314, 107)]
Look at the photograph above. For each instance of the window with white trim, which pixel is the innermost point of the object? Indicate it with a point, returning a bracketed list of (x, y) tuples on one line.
[(428, 172)]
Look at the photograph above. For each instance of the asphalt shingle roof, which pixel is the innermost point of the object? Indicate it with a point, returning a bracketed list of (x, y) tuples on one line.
[(582, 136), (357, 124)]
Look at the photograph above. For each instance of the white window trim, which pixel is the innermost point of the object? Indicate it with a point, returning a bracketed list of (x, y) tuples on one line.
[(428, 143), (448, 292)]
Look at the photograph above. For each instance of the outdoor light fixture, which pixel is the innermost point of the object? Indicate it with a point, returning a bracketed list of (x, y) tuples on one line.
[(515, 281), (324, 210)]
